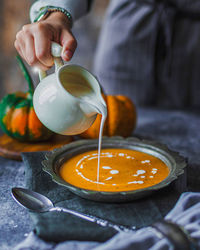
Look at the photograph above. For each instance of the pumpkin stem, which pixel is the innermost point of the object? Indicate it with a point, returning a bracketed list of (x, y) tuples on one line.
[(26, 75)]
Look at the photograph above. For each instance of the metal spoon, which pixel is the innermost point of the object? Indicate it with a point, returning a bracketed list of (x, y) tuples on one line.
[(39, 203)]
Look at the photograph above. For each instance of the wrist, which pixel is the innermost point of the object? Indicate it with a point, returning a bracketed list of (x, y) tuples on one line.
[(47, 11), (58, 17), (77, 8)]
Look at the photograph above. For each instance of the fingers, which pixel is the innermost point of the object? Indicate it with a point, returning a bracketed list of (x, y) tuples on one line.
[(30, 54), (69, 44), (19, 44), (42, 40), (33, 44)]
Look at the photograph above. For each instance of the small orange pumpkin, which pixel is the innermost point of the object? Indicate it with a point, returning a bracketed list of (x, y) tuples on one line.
[(17, 115), (121, 118)]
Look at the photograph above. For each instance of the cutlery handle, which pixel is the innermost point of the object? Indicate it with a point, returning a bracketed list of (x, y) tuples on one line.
[(97, 220)]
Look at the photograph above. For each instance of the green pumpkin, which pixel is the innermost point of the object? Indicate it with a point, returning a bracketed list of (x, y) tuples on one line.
[(17, 115)]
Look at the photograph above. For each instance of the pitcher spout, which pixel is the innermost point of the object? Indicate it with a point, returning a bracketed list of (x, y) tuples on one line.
[(90, 108)]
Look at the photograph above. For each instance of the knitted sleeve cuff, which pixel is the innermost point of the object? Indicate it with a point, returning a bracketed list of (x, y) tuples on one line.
[(77, 8)]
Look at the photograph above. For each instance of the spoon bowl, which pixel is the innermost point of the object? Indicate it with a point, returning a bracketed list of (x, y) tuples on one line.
[(31, 200)]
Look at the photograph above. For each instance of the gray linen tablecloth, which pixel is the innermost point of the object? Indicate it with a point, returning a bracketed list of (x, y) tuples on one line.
[(178, 129), (186, 213)]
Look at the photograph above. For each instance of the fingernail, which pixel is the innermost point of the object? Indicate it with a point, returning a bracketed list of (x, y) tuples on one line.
[(67, 54)]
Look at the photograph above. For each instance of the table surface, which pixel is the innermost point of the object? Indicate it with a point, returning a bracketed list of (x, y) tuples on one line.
[(179, 130)]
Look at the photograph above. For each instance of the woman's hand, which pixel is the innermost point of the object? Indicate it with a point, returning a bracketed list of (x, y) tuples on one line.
[(33, 41)]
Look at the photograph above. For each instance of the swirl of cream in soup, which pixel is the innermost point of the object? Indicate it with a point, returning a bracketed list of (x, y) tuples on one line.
[(120, 170)]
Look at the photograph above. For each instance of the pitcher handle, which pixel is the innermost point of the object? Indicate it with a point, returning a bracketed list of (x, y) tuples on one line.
[(56, 51)]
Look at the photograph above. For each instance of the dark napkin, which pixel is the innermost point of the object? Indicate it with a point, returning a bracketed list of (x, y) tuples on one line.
[(56, 226)]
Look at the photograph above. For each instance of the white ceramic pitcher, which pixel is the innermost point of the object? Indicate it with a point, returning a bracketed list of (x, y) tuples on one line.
[(61, 111)]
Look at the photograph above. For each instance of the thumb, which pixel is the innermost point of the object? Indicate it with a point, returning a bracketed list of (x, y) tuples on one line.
[(68, 43)]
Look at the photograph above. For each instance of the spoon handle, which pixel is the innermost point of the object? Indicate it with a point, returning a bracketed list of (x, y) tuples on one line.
[(97, 220)]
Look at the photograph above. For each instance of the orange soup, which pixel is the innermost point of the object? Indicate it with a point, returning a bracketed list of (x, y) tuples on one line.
[(120, 170)]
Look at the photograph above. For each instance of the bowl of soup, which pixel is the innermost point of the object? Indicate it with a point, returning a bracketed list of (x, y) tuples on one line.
[(129, 168)]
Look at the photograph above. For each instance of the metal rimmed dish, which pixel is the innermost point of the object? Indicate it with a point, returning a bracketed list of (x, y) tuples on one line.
[(57, 157)]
